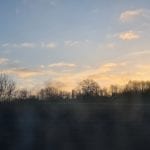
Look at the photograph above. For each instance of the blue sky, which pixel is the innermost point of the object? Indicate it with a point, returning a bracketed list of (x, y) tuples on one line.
[(65, 41)]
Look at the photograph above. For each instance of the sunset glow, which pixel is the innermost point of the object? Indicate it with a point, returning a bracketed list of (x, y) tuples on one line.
[(61, 43)]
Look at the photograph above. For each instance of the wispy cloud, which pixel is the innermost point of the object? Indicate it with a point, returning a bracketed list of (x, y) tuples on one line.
[(129, 35), (24, 72), (19, 45), (101, 74), (62, 64), (140, 53), (70, 43), (48, 45), (117, 72), (77, 43), (26, 45), (130, 15), (29, 45), (5, 45)]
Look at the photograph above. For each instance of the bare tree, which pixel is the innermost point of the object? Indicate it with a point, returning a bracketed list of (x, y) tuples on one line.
[(7, 87), (114, 90), (23, 94), (104, 92), (137, 87), (89, 87), (48, 92)]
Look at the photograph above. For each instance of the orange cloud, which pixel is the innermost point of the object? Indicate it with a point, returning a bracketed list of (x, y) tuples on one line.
[(62, 64), (129, 35)]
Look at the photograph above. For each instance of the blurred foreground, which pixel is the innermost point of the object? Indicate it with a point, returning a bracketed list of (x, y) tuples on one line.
[(54, 126)]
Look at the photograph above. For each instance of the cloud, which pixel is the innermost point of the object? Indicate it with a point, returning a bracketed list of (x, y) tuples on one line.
[(22, 45), (118, 72), (105, 74), (70, 43), (140, 53), (48, 45), (101, 74), (62, 64), (19, 45), (5, 45), (130, 15), (29, 45), (3, 60), (129, 35), (6, 63), (77, 44), (24, 72), (42, 66), (110, 65)]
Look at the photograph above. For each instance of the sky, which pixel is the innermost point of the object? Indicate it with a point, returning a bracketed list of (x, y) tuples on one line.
[(62, 42)]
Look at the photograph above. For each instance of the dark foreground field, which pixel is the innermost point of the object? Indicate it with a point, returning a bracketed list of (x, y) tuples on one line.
[(76, 126)]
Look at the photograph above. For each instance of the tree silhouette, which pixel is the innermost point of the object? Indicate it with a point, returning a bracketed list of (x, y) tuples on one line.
[(89, 87), (23, 94), (48, 93), (7, 87)]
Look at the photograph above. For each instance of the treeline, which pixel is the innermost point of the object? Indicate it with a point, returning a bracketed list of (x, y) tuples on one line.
[(87, 90)]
